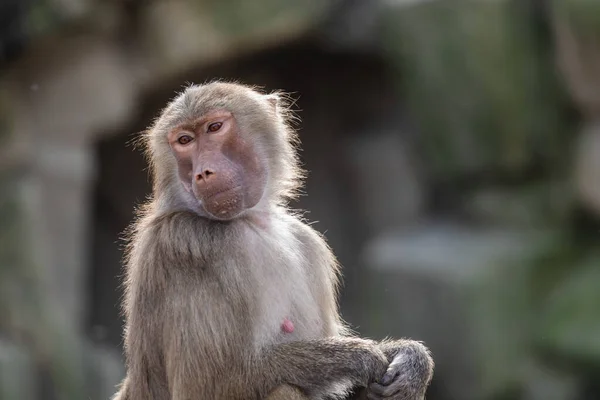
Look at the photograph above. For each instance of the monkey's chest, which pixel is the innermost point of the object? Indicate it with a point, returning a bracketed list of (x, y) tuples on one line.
[(286, 308), (284, 305)]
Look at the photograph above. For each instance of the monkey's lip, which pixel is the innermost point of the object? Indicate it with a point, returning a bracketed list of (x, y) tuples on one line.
[(221, 193), (224, 204)]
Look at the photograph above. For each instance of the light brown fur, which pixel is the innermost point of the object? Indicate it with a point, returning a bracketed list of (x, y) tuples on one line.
[(205, 298)]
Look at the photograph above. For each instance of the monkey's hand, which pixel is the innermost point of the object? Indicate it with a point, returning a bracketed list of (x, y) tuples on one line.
[(408, 375)]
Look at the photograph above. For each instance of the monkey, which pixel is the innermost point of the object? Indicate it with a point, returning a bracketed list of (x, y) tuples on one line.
[(229, 293)]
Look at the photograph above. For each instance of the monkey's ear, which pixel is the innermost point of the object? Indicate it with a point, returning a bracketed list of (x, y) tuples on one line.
[(273, 100)]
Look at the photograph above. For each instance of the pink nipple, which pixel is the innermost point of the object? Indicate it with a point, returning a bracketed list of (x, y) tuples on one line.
[(287, 326)]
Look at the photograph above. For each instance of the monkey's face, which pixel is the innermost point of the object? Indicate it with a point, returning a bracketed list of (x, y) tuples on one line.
[(218, 165)]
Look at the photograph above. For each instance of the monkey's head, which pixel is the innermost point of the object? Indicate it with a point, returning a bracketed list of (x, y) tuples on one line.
[(221, 149)]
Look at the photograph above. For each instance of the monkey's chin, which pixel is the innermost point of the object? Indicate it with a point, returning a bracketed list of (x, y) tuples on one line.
[(226, 205)]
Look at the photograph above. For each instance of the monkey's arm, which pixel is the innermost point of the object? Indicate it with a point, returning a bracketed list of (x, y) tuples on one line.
[(122, 392), (286, 392), (410, 363), (331, 366)]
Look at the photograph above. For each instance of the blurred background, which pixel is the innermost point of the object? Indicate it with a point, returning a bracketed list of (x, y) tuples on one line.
[(454, 157)]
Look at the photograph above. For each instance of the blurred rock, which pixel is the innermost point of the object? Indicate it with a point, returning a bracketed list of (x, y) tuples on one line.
[(85, 88), (353, 25), (44, 258), (71, 8), (587, 167), (437, 284), (17, 373), (60, 181), (210, 31), (389, 190)]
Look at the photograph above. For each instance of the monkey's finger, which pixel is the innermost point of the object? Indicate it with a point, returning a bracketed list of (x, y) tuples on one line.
[(389, 376), (373, 396), (386, 391), (378, 389)]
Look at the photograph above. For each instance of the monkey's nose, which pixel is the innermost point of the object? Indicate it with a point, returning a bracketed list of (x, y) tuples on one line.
[(204, 175)]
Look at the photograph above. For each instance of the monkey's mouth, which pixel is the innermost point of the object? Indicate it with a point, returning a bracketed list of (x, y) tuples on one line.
[(224, 204)]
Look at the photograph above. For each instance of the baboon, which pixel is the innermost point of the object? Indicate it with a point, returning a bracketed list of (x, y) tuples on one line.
[(228, 293)]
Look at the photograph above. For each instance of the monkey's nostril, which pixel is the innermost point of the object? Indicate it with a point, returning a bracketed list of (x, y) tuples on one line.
[(204, 175)]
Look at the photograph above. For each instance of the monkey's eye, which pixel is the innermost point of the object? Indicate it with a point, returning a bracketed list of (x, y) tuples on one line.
[(215, 126), (184, 139)]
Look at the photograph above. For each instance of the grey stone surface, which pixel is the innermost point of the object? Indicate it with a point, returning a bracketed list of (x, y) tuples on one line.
[(57, 197)]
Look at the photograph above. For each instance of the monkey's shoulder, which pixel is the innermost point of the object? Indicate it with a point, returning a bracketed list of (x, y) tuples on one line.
[(319, 261), (304, 232), (314, 245)]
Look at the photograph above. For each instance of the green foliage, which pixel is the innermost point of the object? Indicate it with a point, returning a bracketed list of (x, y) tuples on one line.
[(569, 324), (502, 306), (483, 94), (547, 305), (42, 18), (239, 17), (583, 15), (10, 256)]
